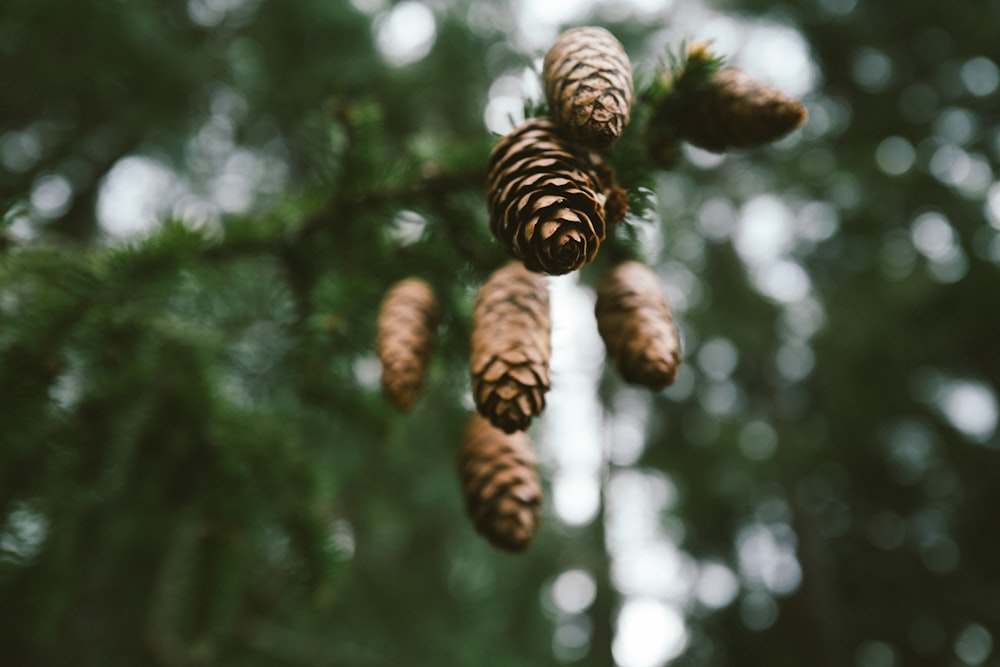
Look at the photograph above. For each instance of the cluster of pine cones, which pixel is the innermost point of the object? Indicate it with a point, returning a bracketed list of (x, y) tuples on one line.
[(552, 197)]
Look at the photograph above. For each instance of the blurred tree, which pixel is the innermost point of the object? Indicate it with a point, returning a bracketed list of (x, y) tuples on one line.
[(204, 202)]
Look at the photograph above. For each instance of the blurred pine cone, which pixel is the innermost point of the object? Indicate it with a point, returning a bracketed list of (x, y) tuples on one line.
[(500, 484), (407, 325), (546, 198), (588, 86), (511, 347), (638, 330), (734, 110)]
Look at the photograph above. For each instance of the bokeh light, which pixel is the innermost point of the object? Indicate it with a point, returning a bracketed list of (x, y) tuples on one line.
[(406, 33), (648, 633)]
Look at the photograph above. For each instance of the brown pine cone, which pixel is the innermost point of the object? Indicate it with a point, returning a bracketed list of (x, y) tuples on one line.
[(546, 198), (734, 110), (407, 324), (638, 330), (503, 496), (511, 347), (588, 85)]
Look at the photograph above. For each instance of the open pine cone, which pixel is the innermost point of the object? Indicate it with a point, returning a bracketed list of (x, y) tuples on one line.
[(406, 333), (637, 327), (734, 110), (511, 347), (500, 485), (588, 85), (546, 198)]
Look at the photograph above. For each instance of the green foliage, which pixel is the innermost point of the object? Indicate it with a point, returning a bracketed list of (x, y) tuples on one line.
[(196, 467)]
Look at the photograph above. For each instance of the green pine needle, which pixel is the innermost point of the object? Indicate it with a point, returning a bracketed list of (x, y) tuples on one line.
[(685, 71)]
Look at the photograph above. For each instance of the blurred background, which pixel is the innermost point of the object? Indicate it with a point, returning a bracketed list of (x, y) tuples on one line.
[(204, 201)]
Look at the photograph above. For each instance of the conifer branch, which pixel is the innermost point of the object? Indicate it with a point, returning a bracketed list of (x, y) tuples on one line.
[(432, 187)]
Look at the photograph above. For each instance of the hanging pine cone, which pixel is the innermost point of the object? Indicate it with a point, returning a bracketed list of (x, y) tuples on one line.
[(503, 496), (406, 333), (638, 330), (546, 198), (588, 85), (734, 110), (511, 347)]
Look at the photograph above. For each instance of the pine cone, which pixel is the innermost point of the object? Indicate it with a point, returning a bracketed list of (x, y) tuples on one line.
[(588, 85), (406, 333), (500, 484), (511, 347), (734, 110), (638, 330), (545, 198)]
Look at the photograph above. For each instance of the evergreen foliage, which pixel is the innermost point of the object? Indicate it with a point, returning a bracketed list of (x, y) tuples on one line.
[(197, 466)]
